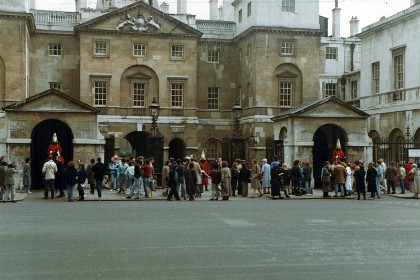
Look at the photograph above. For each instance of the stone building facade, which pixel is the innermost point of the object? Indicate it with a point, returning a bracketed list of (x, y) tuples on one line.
[(90, 76)]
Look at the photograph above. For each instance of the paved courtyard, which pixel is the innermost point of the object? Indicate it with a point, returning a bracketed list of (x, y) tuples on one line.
[(238, 239)]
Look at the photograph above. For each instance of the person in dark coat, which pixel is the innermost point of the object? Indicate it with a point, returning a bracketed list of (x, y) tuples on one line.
[(244, 179), (359, 177), (81, 178), (371, 175), (71, 179), (60, 178), (191, 181), (285, 176), (173, 183), (99, 171), (274, 182)]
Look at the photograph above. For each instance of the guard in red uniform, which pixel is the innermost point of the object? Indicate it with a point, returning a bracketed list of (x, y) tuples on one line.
[(204, 168), (337, 153)]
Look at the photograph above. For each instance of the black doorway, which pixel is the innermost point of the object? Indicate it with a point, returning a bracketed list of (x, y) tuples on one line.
[(138, 142), (41, 137), (177, 149)]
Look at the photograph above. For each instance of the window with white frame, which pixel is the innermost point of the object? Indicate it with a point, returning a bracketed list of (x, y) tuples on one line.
[(213, 56), (240, 16), (100, 92), (285, 93), (287, 48), (376, 75), (249, 9), (288, 6), (399, 71), (330, 89), (139, 49), (213, 98), (354, 89), (55, 85), (177, 52), (213, 149), (177, 94), (139, 94), (331, 53), (54, 49), (101, 48)]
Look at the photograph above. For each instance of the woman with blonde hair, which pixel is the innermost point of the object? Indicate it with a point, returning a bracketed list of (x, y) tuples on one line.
[(415, 184), (226, 181), (255, 178)]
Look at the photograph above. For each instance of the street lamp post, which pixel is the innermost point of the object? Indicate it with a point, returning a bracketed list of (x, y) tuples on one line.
[(154, 113), (237, 113)]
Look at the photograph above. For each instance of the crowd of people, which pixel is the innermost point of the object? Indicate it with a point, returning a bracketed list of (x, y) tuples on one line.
[(188, 178)]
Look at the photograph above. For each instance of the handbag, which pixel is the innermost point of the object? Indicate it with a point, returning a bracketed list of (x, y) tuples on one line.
[(411, 177), (260, 176)]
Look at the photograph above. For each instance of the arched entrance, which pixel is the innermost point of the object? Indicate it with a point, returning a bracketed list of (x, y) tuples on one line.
[(177, 148), (41, 138), (325, 139), (138, 142)]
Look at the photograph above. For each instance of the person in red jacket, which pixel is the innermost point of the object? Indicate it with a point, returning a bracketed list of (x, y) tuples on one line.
[(147, 172)]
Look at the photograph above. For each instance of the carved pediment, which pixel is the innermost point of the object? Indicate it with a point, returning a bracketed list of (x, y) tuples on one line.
[(329, 107), (138, 17), (139, 76), (287, 75), (51, 101)]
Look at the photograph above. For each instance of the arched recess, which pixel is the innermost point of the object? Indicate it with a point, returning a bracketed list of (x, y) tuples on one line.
[(288, 83), (279, 144), (177, 148), (138, 142), (213, 149), (416, 139), (396, 148), (138, 85), (2, 83), (41, 137), (325, 139)]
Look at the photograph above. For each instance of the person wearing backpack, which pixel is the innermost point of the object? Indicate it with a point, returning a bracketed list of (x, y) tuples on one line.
[(173, 184)]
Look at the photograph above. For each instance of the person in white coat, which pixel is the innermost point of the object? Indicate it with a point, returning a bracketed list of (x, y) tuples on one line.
[(49, 169), (348, 184)]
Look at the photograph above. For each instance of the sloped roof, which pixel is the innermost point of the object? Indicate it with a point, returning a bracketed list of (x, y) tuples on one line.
[(51, 100), (305, 107)]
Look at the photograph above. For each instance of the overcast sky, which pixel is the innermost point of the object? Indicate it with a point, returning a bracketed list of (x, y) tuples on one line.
[(367, 11)]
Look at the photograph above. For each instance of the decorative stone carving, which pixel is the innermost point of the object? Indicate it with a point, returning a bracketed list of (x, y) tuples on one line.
[(138, 23)]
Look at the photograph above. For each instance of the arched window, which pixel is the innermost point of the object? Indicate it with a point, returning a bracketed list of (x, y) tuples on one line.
[(213, 149)]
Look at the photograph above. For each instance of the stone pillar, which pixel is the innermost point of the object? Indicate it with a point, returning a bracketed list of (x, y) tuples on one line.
[(336, 22), (164, 7), (214, 13), (354, 26), (181, 7)]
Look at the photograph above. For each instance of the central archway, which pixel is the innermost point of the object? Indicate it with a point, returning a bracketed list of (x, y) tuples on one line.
[(41, 138), (325, 139)]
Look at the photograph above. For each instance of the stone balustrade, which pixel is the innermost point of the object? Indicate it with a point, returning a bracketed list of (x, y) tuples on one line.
[(212, 25), (56, 17), (396, 97)]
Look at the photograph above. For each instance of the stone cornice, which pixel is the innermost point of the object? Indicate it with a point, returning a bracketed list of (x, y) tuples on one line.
[(209, 41), (132, 33), (27, 16), (410, 13), (278, 30), (54, 33)]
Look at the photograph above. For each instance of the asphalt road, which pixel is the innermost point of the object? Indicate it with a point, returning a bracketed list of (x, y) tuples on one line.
[(242, 239)]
